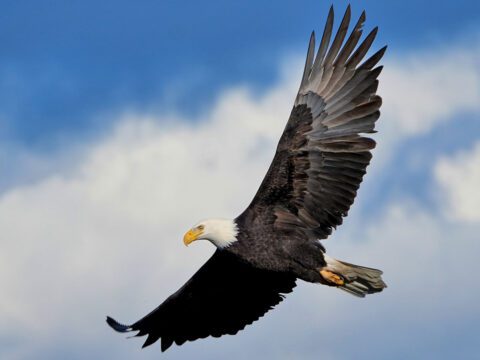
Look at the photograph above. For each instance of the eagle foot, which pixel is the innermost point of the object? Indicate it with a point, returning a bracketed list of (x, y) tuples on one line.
[(332, 278)]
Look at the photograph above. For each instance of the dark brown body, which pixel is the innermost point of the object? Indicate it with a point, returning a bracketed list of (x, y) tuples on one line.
[(320, 162)]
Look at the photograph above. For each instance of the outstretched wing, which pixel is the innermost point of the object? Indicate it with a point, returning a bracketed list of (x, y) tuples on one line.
[(223, 297), (321, 157)]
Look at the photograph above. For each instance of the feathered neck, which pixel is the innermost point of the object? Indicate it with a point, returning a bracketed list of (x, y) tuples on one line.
[(220, 232)]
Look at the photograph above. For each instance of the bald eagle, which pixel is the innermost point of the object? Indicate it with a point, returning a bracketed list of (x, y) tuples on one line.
[(318, 166)]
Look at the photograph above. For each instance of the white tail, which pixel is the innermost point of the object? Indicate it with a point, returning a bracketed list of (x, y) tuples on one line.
[(358, 280)]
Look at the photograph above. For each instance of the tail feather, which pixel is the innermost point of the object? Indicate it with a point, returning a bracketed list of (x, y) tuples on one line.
[(358, 280)]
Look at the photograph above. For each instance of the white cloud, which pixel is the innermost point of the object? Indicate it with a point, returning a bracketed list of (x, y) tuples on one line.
[(105, 236), (459, 179), (423, 90), (427, 88)]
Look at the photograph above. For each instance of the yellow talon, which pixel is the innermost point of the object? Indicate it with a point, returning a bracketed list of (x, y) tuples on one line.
[(332, 277)]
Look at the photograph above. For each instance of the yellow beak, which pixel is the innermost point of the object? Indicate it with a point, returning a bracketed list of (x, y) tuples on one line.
[(191, 236)]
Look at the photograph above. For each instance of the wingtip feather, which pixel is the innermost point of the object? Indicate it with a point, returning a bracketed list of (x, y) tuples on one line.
[(363, 15), (115, 325), (151, 338)]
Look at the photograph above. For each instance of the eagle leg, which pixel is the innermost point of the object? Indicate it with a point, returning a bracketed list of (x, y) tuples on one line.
[(332, 278)]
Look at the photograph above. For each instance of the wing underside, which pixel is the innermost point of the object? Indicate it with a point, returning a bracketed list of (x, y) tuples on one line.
[(223, 297), (322, 155), (320, 162)]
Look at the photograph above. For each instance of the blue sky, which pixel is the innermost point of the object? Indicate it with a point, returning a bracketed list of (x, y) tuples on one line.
[(63, 63), (123, 123)]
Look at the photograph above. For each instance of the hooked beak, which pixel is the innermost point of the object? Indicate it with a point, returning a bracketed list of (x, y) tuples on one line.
[(191, 236)]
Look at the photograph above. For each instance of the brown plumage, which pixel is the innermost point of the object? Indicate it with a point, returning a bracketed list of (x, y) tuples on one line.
[(319, 164)]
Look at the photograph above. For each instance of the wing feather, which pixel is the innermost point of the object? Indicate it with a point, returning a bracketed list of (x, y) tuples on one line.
[(223, 297), (322, 155), (327, 34)]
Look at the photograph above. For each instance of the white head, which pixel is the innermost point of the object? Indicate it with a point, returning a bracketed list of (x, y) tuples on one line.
[(220, 232)]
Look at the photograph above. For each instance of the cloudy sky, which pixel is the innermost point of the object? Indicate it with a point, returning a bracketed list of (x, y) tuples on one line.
[(123, 123)]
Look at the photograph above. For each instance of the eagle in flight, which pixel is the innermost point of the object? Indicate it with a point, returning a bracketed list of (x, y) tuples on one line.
[(312, 181)]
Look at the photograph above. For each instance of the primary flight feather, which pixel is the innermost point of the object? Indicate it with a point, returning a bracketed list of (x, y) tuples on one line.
[(319, 164)]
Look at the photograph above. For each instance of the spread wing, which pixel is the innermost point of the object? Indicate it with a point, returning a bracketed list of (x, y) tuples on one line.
[(223, 297), (322, 157)]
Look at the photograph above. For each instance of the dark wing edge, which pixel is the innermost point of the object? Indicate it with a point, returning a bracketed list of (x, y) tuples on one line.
[(225, 295), (321, 157), (115, 325)]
